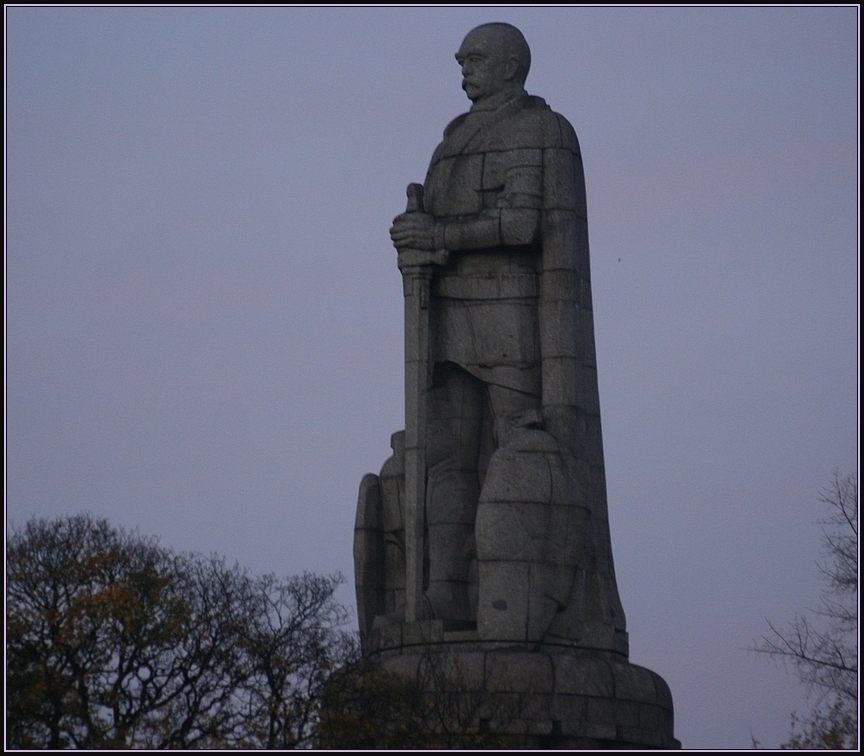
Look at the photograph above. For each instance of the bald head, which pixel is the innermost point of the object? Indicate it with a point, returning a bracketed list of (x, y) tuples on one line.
[(509, 43), (494, 58)]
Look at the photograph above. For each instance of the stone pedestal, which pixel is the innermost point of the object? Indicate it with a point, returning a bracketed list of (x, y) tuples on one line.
[(531, 698)]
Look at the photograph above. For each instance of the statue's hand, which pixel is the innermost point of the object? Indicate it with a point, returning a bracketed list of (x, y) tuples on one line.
[(414, 258), (413, 231)]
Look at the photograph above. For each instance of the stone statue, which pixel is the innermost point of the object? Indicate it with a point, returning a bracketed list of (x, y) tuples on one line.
[(487, 529), (515, 533)]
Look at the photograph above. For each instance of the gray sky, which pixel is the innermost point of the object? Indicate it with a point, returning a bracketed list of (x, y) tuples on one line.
[(204, 310)]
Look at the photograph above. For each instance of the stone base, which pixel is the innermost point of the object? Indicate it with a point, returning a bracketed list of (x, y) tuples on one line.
[(390, 634), (548, 698)]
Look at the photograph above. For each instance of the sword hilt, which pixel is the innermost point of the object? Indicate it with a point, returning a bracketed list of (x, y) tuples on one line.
[(415, 198)]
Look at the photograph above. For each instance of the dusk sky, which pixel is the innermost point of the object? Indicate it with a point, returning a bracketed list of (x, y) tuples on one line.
[(204, 313)]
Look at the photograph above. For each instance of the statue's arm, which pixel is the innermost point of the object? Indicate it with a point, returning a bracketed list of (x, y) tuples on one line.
[(513, 220)]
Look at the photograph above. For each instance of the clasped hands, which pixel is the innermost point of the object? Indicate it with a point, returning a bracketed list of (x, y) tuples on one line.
[(413, 235)]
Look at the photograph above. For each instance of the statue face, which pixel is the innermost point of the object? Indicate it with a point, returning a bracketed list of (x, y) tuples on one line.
[(487, 69)]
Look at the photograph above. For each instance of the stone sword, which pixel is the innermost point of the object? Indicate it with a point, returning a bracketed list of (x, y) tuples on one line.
[(416, 268)]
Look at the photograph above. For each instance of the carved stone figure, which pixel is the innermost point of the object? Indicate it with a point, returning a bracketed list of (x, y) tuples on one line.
[(487, 529), (514, 527)]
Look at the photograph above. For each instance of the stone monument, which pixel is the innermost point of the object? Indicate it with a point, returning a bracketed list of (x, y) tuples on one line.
[(485, 536)]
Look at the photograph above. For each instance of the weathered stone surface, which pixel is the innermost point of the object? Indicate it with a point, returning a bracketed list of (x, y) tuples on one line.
[(517, 477), (570, 709), (514, 531), (532, 693), (502, 610), (583, 676), (519, 672), (636, 681), (482, 549)]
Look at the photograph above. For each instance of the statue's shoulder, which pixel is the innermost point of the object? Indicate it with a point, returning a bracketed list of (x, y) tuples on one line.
[(454, 124), (532, 124)]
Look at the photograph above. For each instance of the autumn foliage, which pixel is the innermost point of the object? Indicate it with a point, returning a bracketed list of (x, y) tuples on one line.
[(116, 642)]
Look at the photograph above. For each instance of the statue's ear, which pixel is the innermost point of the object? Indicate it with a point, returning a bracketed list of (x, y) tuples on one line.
[(512, 67)]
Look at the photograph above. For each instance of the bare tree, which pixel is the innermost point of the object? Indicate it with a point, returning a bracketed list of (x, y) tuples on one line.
[(113, 641), (822, 646), (432, 704), (293, 644)]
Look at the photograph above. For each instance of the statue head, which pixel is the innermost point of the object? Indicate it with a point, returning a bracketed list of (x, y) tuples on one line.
[(494, 58)]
